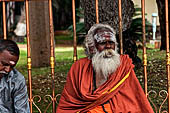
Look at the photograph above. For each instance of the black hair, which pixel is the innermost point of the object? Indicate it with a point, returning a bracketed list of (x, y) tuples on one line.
[(10, 46)]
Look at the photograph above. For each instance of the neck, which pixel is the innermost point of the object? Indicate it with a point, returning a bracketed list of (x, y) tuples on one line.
[(100, 80)]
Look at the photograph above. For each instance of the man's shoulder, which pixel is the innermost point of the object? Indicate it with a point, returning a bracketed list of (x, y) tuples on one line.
[(125, 57), (17, 76), (126, 60), (82, 61)]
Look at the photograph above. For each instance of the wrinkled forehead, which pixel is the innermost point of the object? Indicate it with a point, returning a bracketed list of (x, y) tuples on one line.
[(104, 34)]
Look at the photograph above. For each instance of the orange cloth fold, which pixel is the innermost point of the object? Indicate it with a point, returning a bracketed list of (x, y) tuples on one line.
[(99, 109), (78, 90)]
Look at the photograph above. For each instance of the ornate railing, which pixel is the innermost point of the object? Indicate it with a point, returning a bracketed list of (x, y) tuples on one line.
[(51, 99)]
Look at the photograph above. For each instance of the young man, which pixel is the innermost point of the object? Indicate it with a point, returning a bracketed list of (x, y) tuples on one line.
[(105, 81), (13, 90)]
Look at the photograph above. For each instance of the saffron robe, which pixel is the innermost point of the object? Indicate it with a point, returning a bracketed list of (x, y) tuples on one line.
[(99, 109), (77, 94)]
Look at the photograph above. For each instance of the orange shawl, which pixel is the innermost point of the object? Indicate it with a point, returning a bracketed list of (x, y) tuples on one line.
[(127, 98)]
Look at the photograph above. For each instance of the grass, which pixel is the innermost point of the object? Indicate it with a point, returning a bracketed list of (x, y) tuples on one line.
[(63, 40), (42, 82), (156, 77), (41, 77), (63, 54)]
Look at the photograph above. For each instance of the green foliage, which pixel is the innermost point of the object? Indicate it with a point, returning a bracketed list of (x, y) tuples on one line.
[(80, 27), (133, 33), (62, 13), (135, 30), (63, 54)]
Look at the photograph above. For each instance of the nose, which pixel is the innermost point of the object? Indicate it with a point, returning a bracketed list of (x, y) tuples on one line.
[(108, 45)]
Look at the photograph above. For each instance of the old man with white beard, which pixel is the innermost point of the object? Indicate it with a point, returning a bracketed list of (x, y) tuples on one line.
[(104, 81)]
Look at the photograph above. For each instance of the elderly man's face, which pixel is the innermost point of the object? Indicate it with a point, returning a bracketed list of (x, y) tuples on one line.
[(7, 62), (104, 40)]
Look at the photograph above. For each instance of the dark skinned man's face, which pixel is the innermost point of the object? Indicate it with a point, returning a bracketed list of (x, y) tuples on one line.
[(7, 62), (106, 42)]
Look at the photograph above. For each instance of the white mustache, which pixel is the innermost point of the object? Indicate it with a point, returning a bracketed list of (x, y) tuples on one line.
[(107, 53), (3, 72)]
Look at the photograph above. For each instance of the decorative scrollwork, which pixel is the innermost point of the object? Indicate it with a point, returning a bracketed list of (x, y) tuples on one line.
[(161, 94), (164, 111), (58, 95), (152, 92), (39, 99), (46, 99)]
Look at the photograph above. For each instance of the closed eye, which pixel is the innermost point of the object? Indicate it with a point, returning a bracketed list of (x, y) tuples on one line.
[(5, 64), (102, 43)]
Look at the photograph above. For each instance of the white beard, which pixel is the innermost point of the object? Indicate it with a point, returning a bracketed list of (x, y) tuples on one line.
[(105, 63)]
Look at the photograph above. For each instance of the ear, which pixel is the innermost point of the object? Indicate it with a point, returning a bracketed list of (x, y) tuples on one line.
[(96, 45)]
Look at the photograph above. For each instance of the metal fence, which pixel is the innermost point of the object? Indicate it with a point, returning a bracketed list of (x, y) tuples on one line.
[(53, 96)]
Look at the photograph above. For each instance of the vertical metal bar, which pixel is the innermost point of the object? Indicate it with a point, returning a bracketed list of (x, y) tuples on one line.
[(52, 58), (13, 7), (8, 15), (97, 11), (144, 46), (4, 20), (74, 31), (28, 54), (167, 52), (120, 26)]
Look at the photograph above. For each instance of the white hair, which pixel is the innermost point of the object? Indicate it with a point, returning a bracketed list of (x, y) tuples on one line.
[(105, 63), (89, 42)]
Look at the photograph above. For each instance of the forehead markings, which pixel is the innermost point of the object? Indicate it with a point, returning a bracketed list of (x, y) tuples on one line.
[(102, 36)]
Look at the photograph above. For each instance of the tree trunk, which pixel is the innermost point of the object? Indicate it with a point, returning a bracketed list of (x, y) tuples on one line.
[(1, 22), (108, 13), (62, 11), (39, 33), (161, 12)]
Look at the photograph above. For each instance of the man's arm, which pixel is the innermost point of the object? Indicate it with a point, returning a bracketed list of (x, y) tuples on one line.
[(20, 97)]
